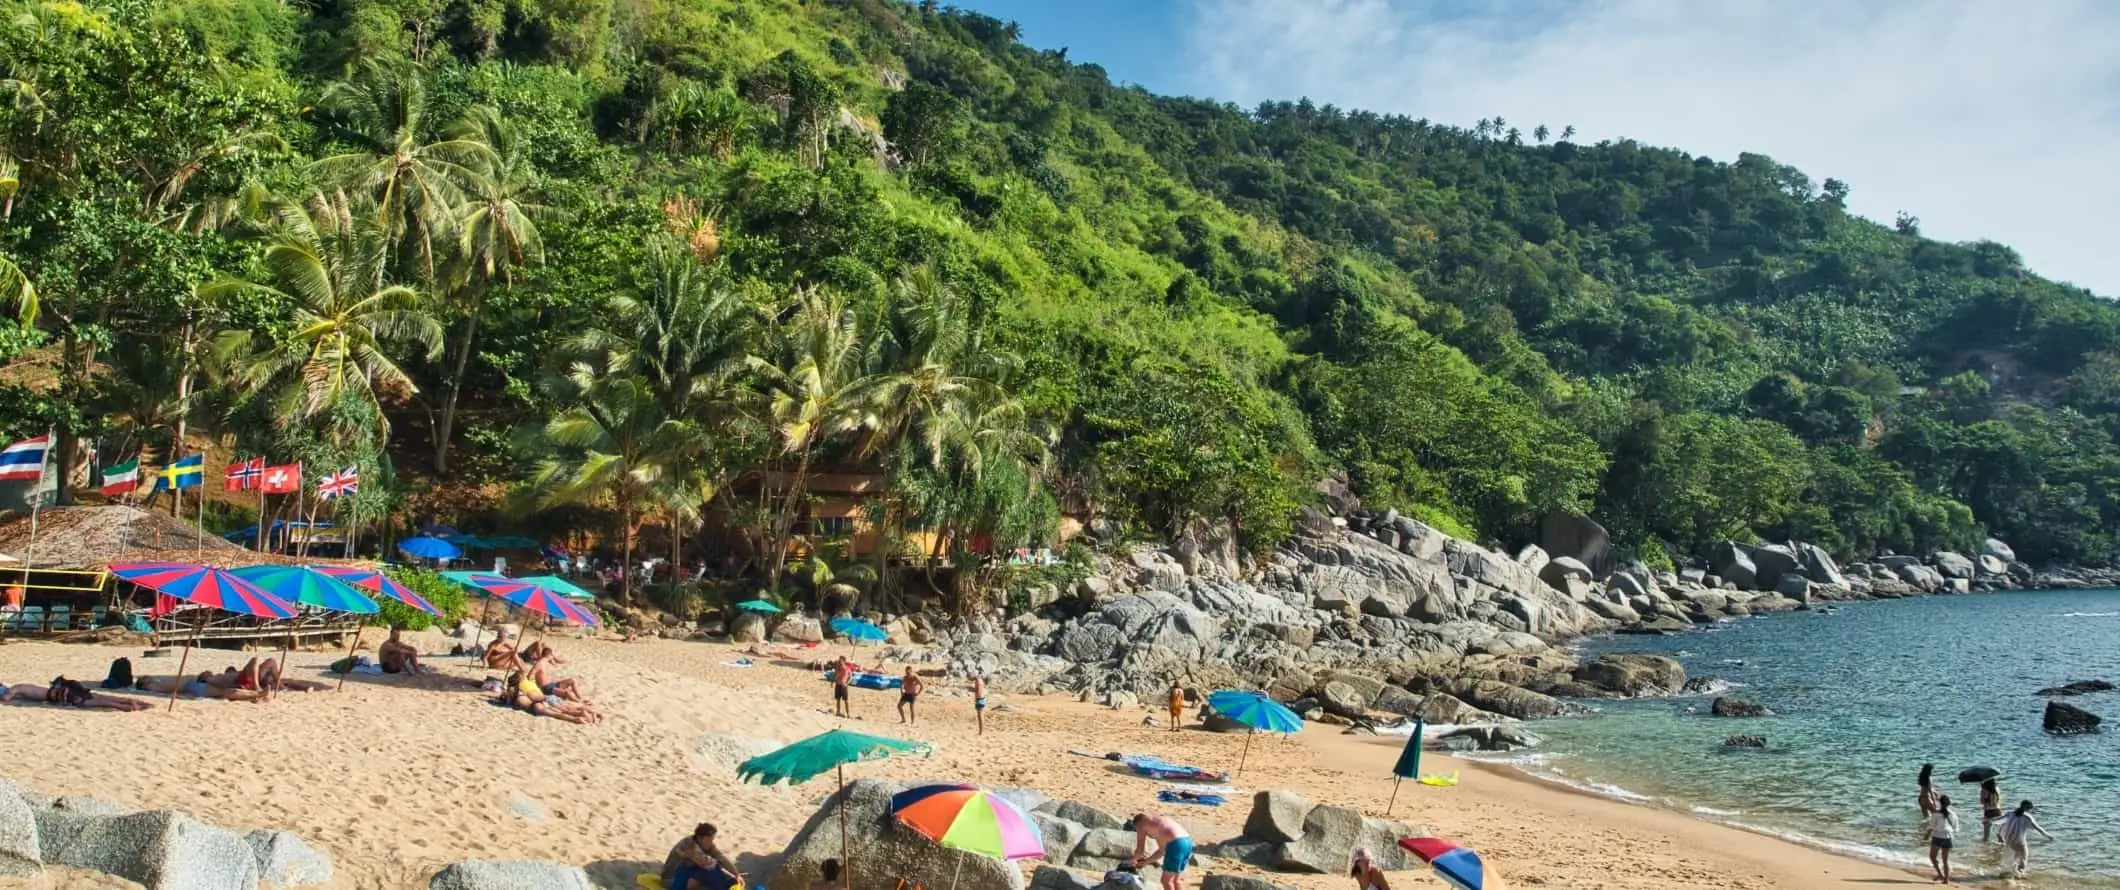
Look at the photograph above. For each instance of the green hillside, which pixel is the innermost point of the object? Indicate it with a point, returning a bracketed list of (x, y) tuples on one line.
[(615, 254)]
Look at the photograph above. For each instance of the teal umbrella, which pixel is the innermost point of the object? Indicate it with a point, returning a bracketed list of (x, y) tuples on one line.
[(560, 586), (831, 751), (760, 606), (299, 584), (511, 542)]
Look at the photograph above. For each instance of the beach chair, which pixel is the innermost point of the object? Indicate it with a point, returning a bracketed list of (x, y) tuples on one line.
[(95, 617), (59, 619), (31, 620)]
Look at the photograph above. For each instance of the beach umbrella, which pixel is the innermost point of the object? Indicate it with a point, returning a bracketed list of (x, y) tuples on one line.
[(560, 586), (511, 542), (759, 606), (1255, 710), (378, 583), (964, 817), (818, 754), (217, 588), (1973, 774), (858, 630), (428, 548), (1457, 866), (301, 585), (1409, 765)]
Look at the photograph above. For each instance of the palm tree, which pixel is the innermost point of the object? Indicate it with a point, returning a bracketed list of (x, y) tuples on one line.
[(325, 262), (496, 232), (16, 288), (682, 331), (614, 441), (1567, 132), (416, 185), (143, 395), (809, 389)]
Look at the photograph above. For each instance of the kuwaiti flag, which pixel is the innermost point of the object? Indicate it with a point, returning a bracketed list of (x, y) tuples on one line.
[(24, 460), (121, 478)]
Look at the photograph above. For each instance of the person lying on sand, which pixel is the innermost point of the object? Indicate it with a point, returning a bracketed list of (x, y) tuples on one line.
[(397, 656), (526, 695), (695, 863), (261, 675), (567, 688), (68, 692), (200, 686)]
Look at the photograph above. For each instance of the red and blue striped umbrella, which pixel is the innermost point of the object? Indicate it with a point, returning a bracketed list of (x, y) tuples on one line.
[(524, 594), (376, 582), (218, 588)]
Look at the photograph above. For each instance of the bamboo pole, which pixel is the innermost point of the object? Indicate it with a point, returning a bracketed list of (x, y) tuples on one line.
[(182, 663), (261, 516), (358, 629)]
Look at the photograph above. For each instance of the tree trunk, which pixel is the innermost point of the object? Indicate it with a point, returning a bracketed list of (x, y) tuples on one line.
[(625, 559), (447, 425), (785, 524)]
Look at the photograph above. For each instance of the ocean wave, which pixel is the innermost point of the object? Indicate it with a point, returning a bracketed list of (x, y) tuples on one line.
[(1711, 811), (2090, 614), (1870, 852)]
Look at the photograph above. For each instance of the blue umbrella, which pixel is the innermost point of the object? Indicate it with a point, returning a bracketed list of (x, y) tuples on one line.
[(858, 629), (1255, 710), (428, 548)]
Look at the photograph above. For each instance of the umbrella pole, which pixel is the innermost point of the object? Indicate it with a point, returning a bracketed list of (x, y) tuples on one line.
[(846, 861), (1247, 751), (1395, 780), (357, 630), (485, 613), (960, 870), (178, 681)]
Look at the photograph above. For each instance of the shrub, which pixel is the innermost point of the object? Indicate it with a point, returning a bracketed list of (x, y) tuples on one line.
[(448, 597)]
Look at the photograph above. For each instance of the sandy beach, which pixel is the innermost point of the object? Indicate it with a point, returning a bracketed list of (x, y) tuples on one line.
[(396, 776)]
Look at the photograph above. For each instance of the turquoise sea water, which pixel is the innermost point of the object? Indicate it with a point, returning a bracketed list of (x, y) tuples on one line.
[(1864, 696)]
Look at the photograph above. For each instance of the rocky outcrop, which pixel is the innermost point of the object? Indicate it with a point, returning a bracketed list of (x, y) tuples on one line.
[(1729, 706), (1745, 741), (882, 846), (21, 854), (2080, 687), (285, 861), (1510, 701), (2067, 719), (1323, 841), (484, 875), (1487, 738), (1633, 676), (1952, 565), (162, 849)]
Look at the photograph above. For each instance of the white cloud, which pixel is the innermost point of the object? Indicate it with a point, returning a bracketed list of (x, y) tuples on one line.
[(1985, 118)]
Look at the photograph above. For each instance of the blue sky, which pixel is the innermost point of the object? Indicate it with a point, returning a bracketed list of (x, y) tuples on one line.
[(1988, 119)]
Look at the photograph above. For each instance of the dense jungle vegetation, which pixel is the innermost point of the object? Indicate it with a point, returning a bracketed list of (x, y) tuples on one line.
[(600, 259)]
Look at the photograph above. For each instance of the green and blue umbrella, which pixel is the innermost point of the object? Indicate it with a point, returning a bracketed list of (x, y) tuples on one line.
[(826, 752), (759, 606), (376, 582), (560, 586), (964, 817), (1255, 710), (303, 585)]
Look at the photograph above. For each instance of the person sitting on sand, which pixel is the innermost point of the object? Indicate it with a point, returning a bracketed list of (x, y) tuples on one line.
[(567, 688), (695, 863), (1943, 826), (2015, 833), (842, 674), (500, 654), (909, 697), (539, 651), (1175, 841), (397, 656), (1366, 874), (526, 695), (828, 876)]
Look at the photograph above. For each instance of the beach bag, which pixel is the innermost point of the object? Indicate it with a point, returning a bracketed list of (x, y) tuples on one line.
[(65, 691), (121, 674)]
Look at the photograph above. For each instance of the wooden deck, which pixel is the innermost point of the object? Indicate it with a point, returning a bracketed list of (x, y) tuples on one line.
[(180, 627)]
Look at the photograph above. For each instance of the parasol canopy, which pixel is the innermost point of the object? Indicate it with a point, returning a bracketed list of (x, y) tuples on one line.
[(1255, 710), (858, 629), (218, 588), (303, 585), (759, 606), (819, 754), (1457, 866), (376, 582), (429, 548), (560, 586), (964, 817)]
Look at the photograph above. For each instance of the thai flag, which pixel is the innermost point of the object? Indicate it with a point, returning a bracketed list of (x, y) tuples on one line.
[(340, 484), (244, 476), (24, 460)]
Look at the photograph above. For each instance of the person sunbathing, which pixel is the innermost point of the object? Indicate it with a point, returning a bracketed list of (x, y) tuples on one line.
[(398, 656), (500, 654), (525, 695), (69, 692), (567, 688), (201, 686)]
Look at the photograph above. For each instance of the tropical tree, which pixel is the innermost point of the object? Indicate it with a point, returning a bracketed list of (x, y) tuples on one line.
[(325, 264), (415, 185), (809, 389), (18, 290), (496, 231)]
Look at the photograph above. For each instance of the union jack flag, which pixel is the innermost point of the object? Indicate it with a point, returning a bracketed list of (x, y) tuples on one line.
[(340, 484), (244, 476)]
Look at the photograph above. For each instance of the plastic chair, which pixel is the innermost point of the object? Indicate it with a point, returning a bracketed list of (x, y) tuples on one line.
[(31, 619), (95, 617), (59, 619)]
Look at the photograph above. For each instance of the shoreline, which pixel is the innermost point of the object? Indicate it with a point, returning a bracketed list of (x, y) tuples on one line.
[(397, 776)]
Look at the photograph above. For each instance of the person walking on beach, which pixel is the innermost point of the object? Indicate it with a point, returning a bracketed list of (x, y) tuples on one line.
[(1943, 825), (1990, 805), (842, 674), (909, 697), (1366, 874), (1177, 705), (2015, 832), (979, 701), (1175, 842)]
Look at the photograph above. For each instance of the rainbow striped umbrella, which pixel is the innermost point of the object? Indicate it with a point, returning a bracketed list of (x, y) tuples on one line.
[(967, 818), (376, 582), (219, 588), (301, 585)]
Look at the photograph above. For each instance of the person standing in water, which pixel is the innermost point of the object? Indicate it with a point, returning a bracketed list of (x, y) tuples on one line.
[(2014, 831), (1990, 805), (1927, 800), (1943, 826)]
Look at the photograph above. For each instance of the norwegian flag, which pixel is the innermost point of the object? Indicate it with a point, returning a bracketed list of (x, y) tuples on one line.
[(340, 484), (244, 476)]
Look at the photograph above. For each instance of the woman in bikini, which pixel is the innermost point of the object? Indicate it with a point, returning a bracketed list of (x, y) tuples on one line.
[(1366, 874)]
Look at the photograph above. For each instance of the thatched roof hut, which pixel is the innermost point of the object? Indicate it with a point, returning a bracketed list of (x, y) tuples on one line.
[(89, 538)]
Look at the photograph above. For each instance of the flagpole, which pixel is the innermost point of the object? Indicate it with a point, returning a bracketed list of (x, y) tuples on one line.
[(36, 503), (261, 514), (199, 543)]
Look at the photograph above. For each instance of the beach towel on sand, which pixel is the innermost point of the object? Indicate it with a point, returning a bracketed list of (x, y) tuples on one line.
[(1157, 768), (1190, 797), (871, 680)]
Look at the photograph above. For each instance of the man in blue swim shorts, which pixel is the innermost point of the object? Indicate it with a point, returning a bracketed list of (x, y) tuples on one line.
[(1175, 841)]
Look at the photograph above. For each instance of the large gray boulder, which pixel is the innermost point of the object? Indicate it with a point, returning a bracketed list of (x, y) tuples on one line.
[(1627, 585), (1561, 569), (1087, 642), (1277, 816), (1577, 537), (1952, 565), (1331, 835), (747, 627), (1052, 877), (20, 854), (1533, 557), (1769, 562), (1239, 882), (1818, 566), (883, 850), (1730, 563), (1991, 567), (482, 875), (1997, 549), (1509, 701), (799, 629), (1796, 586), (1103, 849), (1062, 837), (1632, 675), (1079, 813), (285, 861), (163, 849)]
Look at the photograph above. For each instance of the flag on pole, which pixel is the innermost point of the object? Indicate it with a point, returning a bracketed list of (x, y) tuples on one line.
[(121, 478), (24, 460), (283, 479), (244, 476), (343, 483), (187, 472)]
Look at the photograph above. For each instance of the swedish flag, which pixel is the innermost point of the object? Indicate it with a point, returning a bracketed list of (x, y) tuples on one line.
[(187, 472)]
